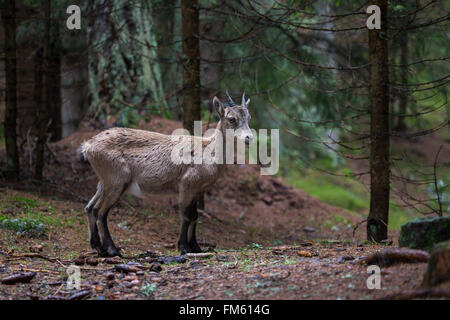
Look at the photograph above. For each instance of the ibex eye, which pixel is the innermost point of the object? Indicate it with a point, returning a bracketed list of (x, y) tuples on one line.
[(232, 120)]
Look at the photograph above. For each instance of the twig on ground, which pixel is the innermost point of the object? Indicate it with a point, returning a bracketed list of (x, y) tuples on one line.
[(210, 215)]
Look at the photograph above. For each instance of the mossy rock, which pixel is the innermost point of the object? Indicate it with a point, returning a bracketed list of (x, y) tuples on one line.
[(425, 233), (438, 270)]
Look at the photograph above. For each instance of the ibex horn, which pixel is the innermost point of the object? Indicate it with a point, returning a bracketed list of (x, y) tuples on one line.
[(230, 101), (243, 99)]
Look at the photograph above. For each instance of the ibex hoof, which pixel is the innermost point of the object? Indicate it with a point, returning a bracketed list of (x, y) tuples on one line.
[(109, 253)]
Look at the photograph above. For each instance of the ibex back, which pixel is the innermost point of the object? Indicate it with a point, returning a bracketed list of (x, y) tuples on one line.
[(140, 162)]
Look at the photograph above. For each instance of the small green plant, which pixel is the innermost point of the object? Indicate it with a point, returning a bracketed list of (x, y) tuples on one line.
[(148, 289), (23, 226), (256, 246)]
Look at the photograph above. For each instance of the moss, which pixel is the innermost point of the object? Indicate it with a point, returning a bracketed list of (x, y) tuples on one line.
[(425, 233)]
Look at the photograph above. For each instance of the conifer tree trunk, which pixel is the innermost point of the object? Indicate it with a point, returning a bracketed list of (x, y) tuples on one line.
[(44, 108), (9, 25), (191, 68), (403, 95), (379, 130), (191, 64)]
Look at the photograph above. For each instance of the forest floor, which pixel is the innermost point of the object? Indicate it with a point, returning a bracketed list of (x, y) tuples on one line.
[(266, 240)]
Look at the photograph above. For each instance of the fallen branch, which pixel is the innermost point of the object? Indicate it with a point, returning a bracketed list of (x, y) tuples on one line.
[(388, 257), (36, 270), (21, 277), (210, 215), (33, 255), (417, 294)]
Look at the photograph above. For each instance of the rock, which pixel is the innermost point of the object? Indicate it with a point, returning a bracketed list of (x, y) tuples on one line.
[(19, 278), (425, 233), (309, 229), (80, 295), (438, 270)]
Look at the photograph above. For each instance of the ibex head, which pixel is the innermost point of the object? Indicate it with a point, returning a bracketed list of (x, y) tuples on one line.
[(235, 117)]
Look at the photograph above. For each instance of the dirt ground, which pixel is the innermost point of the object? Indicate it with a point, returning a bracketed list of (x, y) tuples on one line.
[(265, 239)]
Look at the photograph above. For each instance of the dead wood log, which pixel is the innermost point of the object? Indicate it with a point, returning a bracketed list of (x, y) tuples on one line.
[(19, 278), (388, 257), (419, 294)]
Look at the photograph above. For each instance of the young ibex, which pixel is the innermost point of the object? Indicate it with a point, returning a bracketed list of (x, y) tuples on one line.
[(140, 162)]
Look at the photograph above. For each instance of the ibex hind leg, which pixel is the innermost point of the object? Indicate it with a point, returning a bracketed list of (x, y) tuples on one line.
[(94, 238), (110, 197)]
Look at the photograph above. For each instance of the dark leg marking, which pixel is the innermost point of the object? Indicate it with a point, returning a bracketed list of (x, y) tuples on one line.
[(187, 241)]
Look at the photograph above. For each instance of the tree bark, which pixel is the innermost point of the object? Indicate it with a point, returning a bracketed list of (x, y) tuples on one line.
[(379, 130), (191, 64), (190, 25), (9, 21), (42, 119), (55, 129), (124, 73), (211, 27), (403, 94)]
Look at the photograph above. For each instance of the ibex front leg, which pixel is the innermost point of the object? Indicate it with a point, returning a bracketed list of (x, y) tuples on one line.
[(188, 205)]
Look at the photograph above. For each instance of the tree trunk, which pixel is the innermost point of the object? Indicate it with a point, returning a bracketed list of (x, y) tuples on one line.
[(55, 129), (124, 74), (403, 94), (211, 53), (42, 119), (168, 24), (9, 21), (191, 64), (379, 130), (191, 68)]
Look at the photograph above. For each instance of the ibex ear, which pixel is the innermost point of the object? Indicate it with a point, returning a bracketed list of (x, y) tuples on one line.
[(219, 106), (246, 104)]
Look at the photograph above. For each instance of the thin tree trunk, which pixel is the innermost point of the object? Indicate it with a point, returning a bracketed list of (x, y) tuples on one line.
[(55, 128), (191, 68), (403, 94), (42, 119), (191, 65), (379, 130), (12, 156)]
